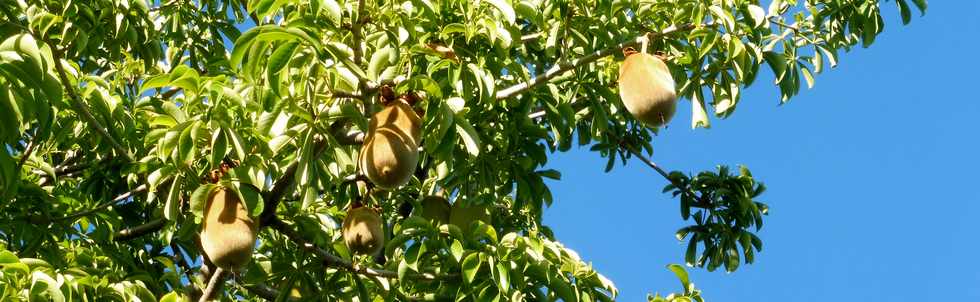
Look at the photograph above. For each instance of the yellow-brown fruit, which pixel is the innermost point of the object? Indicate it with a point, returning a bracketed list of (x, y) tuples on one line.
[(647, 89), (435, 208), (391, 149), (362, 231), (228, 232), (464, 216)]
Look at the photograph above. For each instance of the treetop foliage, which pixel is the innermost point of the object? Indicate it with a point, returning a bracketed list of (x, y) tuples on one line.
[(118, 118)]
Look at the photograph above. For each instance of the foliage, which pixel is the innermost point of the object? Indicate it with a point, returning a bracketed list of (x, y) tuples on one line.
[(690, 293), (726, 210), (114, 114)]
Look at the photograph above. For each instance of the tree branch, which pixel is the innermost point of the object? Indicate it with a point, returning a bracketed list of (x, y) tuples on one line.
[(104, 205), (356, 32), (531, 37), (272, 199), (265, 291), (140, 230), (278, 191), (217, 277), (27, 153), (79, 105), (184, 265), (698, 201), (562, 67), (331, 260)]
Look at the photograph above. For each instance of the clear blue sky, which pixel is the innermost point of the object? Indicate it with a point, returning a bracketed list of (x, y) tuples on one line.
[(872, 179)]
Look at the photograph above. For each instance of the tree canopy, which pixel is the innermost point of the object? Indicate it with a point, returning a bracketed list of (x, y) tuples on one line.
[(118, 118)]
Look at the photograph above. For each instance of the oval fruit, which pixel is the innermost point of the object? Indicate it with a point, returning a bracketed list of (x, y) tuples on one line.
[(363, 232), (391, 149), (228, 233), (647, 89)]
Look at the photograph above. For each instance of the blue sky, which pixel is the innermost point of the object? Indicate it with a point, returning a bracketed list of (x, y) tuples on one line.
[(871, 177)]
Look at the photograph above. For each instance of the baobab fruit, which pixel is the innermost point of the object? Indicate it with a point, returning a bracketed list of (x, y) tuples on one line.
[(435, 208), (391, 149), (647, 88), (228, 232), (363, 232), (463, 216)]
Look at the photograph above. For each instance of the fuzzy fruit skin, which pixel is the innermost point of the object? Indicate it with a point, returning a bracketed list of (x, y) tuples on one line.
[(647, 89), (362, 231), (228, 233), (464, 216), (435, 208), (391, 149)]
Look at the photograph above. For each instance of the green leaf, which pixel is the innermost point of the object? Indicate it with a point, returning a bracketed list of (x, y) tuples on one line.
[(187, 149), (470, 266), (43, 285), (380, 60), (200, 197), (757, 14), (468, 134), (456, 250), (420, 83), (726, 17), (906, 12), (561, 288), (236, 142), (807, 76), (681, 274), (172, 297), (922, 5), (219, 148), (503, 282), (172, 205), (505, 9), (281, 57), (156, 81), (8, 257), (699, 116), (413, 254), (332, 9)]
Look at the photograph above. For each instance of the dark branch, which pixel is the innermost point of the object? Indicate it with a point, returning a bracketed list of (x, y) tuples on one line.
[(698, 200), (562, 67), (140, 230), (104, 205), (278, 191)]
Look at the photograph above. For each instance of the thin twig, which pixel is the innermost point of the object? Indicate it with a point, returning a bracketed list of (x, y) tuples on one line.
[(104, 205), (774, 20), (698, 201), (217, 277), (531, 37), (27, 152), (562, 67), (345, 95)]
